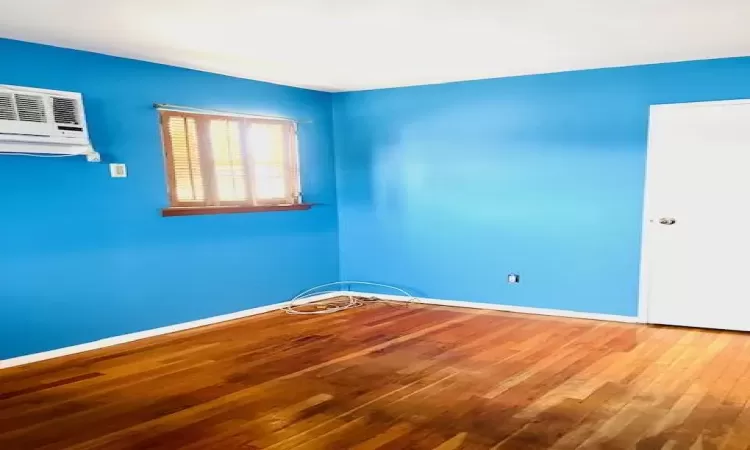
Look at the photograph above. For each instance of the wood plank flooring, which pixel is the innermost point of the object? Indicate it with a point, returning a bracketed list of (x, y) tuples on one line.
[(391, 377)]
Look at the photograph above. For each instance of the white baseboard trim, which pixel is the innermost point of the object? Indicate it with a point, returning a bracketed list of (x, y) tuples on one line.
[(122, 339), (506, 308)]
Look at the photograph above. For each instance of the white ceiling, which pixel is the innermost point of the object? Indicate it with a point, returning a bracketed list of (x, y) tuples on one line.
[(340, 45)]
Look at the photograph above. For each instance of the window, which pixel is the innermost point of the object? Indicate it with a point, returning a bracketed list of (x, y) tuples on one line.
[(217, 162)]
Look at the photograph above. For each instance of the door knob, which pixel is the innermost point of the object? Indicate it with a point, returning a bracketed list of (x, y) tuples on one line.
[(667, 221)]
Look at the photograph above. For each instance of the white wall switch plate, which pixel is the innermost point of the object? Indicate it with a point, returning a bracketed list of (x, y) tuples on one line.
[(118, 170)]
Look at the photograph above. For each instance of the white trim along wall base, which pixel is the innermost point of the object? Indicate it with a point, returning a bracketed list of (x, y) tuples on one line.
[(137, 336), (506, 308), (116, 340)]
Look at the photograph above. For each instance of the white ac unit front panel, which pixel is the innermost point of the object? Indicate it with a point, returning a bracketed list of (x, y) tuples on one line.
[(42, 121), (37, 139), (31, 148)]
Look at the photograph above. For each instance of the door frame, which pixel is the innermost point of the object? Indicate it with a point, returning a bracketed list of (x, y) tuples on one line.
[(647, 237)]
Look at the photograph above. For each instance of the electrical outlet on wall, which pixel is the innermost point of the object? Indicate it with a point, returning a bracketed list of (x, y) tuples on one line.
[(118, 170), (514, 278)]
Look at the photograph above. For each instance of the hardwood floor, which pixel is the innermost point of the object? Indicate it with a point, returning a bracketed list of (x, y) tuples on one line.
[(391, 377)]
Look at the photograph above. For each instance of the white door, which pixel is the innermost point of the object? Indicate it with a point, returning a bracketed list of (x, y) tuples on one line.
[(696, 249)]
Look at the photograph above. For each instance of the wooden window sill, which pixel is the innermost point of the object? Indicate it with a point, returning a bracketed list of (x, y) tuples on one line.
[(207, 210)]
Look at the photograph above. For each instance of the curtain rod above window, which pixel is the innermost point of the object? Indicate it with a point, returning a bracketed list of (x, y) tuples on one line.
[(188, 109)]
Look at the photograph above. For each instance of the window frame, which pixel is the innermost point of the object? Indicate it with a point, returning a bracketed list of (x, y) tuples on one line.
[(293, 189)]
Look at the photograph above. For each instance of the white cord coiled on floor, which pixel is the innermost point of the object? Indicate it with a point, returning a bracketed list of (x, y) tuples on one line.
[(354, 301)]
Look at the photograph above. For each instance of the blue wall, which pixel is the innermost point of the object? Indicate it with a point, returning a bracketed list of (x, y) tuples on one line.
[(84, 256), (442, 189), (446, 189)]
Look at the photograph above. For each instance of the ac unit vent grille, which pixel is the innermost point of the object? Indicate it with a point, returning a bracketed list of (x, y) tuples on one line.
[(30, 108), (7, 110), (65, 110)]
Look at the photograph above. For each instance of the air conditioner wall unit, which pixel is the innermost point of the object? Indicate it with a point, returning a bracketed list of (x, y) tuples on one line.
[(41, 121)]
